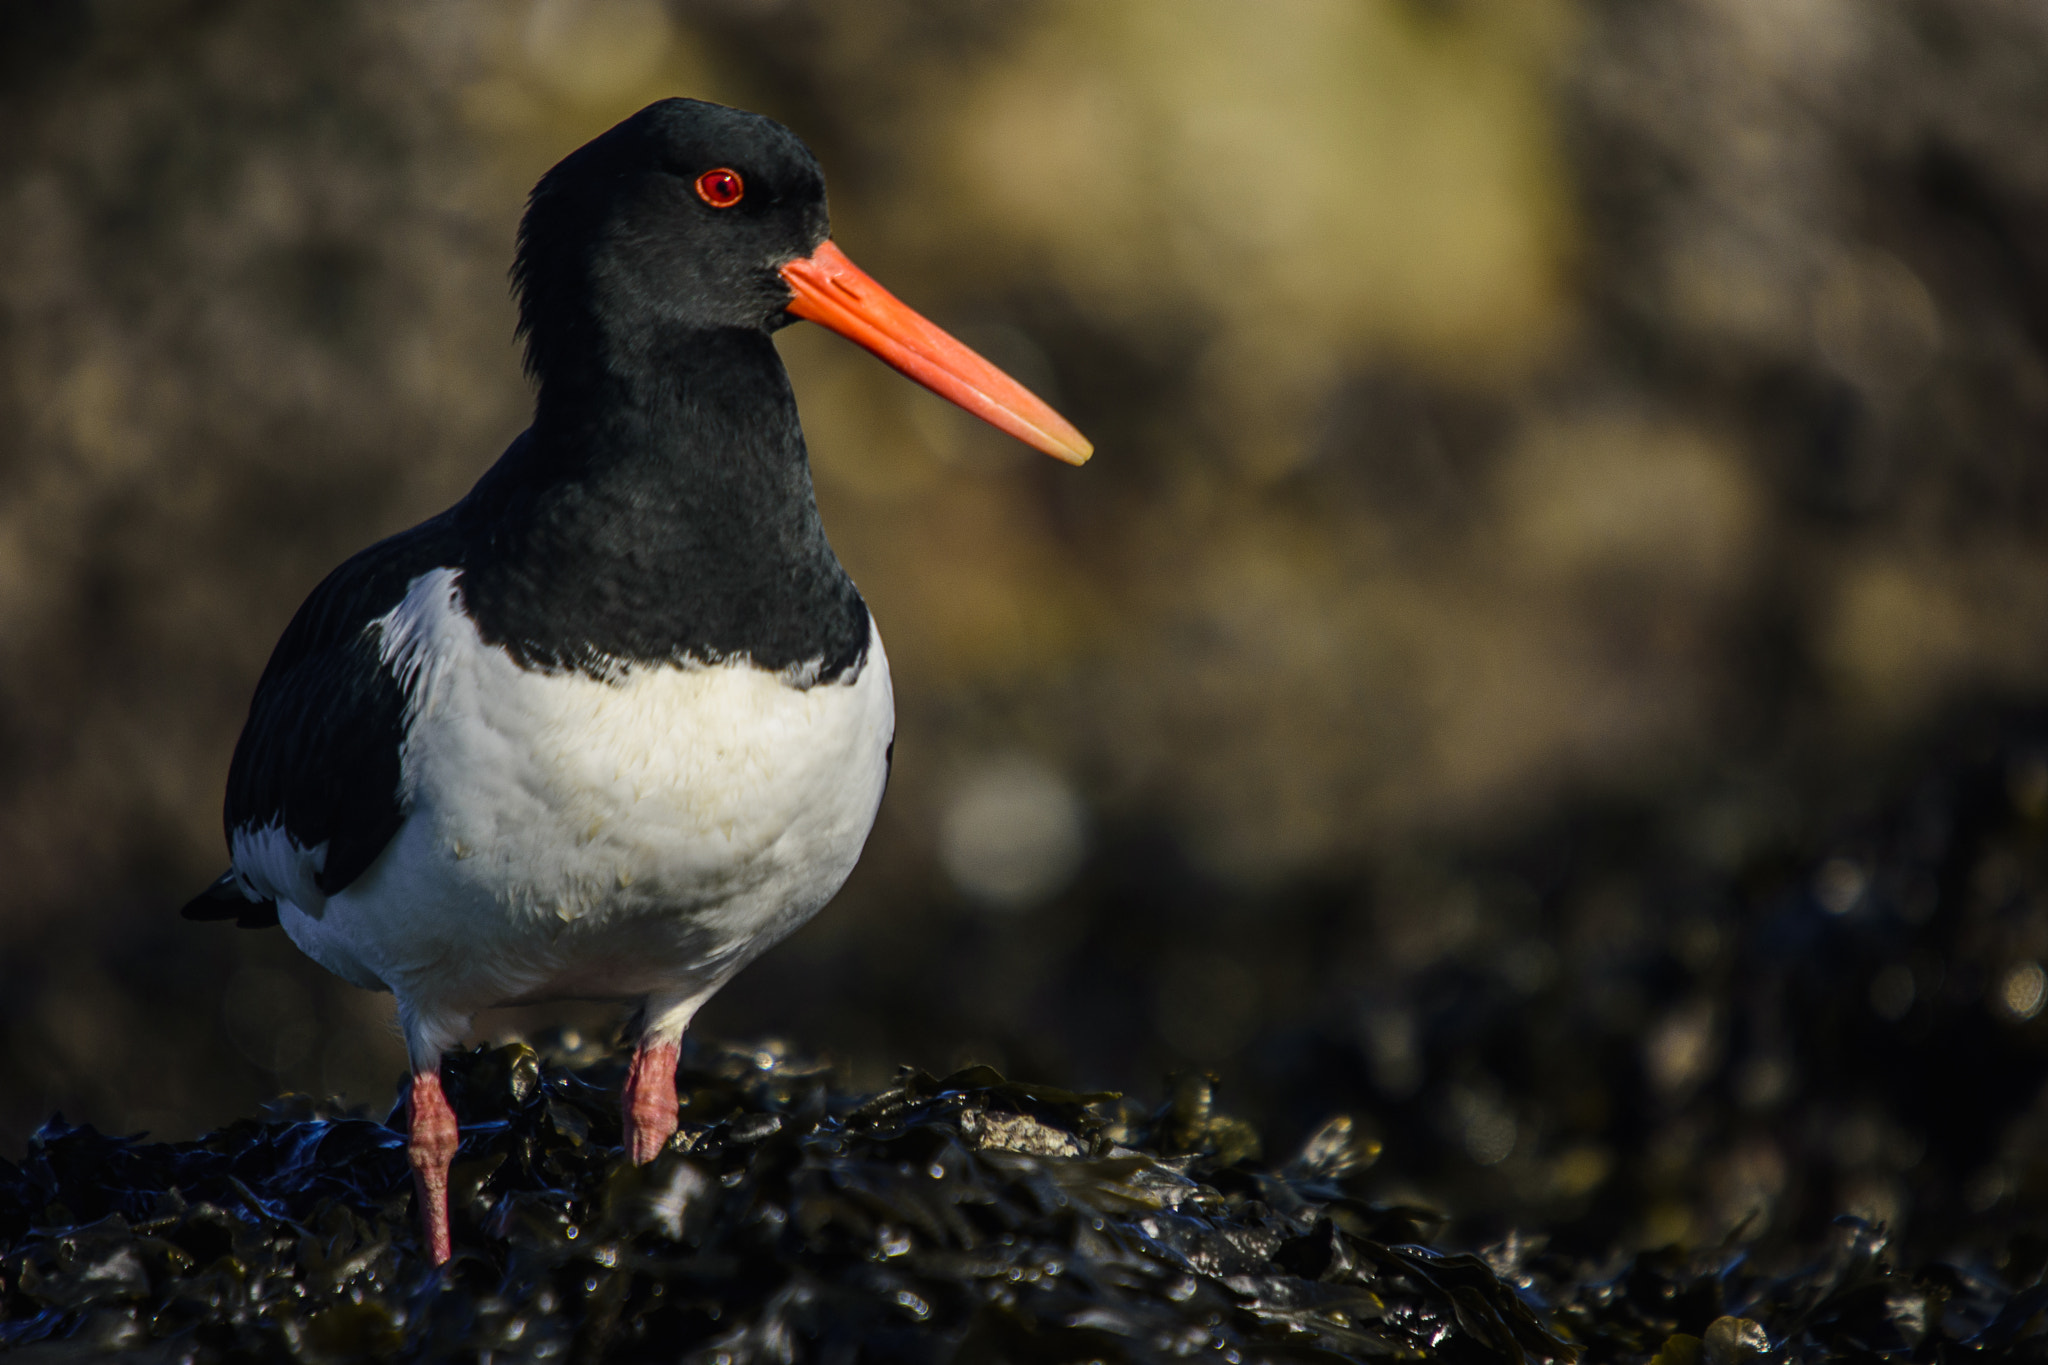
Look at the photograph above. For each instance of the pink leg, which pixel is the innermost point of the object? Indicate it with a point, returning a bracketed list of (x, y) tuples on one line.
[(431, 1146), (648, 1108)]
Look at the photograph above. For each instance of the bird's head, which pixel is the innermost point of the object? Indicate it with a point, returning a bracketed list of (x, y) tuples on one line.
[(697, 216)]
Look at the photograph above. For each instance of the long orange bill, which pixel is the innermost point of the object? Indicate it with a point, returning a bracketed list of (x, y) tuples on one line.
[(834, 292)]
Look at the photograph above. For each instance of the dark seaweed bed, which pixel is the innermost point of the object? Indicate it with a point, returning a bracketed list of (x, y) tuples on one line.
[(974, 1218), (968, 1218)]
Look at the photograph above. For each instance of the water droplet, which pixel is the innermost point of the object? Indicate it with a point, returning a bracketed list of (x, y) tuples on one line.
[(1840, 884), (1013, 834), (2021, 991)]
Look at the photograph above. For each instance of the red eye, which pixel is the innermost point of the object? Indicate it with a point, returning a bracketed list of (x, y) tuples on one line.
[(720, 188)]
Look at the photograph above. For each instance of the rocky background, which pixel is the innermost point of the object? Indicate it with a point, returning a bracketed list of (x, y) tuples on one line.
[(1547, 657)]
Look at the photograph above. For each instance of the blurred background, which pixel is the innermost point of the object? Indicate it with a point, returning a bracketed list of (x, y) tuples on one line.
[(1548, 657)]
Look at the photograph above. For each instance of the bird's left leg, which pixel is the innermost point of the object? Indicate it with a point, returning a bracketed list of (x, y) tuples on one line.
[(431, 1132), (648, 1108), (431, 1139)]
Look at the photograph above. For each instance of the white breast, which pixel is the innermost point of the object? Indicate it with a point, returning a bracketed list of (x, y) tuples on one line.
[(645, 835)]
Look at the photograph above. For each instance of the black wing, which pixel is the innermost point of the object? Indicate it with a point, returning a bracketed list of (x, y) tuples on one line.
[(320, 751)]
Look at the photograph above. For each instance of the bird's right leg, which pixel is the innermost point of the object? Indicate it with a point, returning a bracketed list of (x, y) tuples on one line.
[(648, 1108)]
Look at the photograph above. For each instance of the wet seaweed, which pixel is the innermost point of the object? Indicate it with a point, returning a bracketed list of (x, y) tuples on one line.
[(965, 1218)]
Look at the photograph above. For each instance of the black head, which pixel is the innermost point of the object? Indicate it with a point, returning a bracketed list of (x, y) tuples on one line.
[(620, 245)]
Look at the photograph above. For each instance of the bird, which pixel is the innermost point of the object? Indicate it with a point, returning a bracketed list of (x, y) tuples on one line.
[(618, 720)]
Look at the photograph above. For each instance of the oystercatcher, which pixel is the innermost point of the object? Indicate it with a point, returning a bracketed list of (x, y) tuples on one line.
[(617, 721)]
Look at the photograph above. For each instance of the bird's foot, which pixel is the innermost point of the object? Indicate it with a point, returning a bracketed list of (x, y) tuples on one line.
[(430, 1145), (648, 1108)]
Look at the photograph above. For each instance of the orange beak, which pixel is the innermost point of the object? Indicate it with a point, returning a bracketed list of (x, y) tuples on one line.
[(834, 292)]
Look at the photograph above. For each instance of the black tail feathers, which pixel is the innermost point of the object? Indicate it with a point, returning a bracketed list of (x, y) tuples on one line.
[(225, 899)]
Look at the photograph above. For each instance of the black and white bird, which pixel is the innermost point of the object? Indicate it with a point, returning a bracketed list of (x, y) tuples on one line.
[(617, 721)]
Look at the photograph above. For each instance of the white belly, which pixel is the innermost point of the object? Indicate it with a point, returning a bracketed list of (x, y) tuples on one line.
[(644, 836)]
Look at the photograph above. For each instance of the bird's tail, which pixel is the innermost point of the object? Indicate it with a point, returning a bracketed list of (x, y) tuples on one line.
[(225, 899)]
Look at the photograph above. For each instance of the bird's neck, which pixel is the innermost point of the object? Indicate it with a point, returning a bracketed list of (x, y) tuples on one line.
[(660, 508), (700, 421)]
